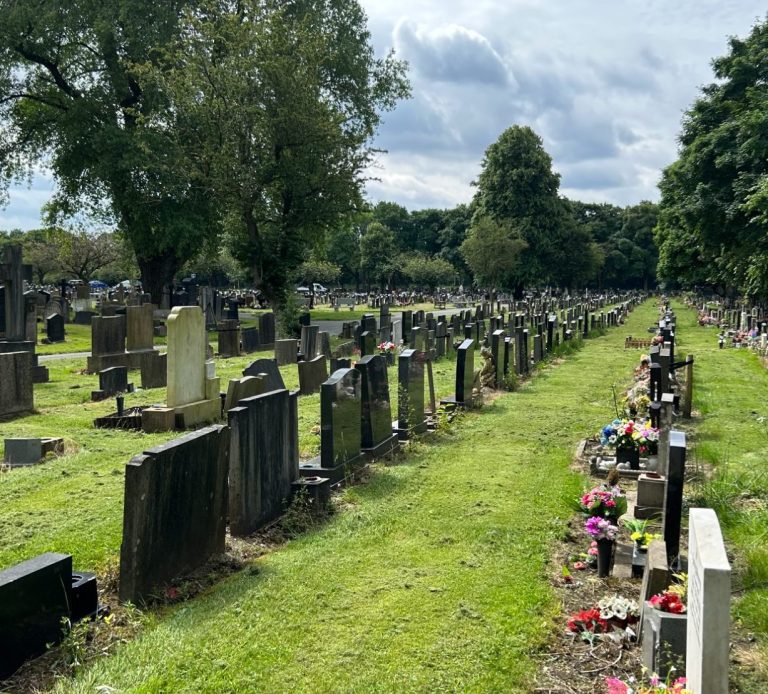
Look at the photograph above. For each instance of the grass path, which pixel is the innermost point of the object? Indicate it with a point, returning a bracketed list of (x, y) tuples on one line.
[(433, 577)]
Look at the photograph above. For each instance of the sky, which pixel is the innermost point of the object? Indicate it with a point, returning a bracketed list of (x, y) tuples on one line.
[(604, 83)]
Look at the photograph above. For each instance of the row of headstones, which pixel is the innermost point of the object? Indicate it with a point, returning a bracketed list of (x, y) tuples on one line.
[(235, 340)]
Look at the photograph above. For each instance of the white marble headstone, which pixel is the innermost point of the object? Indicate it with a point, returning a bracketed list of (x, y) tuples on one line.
[(709, 605)]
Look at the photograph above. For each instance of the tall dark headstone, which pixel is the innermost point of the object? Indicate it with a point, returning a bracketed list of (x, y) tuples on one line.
[(340, 415), (267, 330), (308, 342), (263, 459), (175, 510), (377, 438), (54, 327), (465, 373), (673, 503), (410, 401), (367, 343), (497, 353), (312, 374)]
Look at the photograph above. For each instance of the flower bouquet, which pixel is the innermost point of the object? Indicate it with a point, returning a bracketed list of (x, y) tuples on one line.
[(618, 611), (668, 601), (604, 500), (655, 686), (603, 531), (387, 350)]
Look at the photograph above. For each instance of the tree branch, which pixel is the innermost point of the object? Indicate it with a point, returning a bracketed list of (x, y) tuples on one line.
[(33, 97), (53, 70)]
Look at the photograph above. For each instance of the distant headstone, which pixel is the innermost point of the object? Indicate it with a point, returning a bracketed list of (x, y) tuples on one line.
[(16, 394), (242, 388), (312, 374), (367, 343), (410, 402), (107, 342), (139, 331), (465, 373), (154, 370), (250, 340), (264, 458), (54, 328), (22, 452), (175, 510), (229, 338), (308, 342), (112, 381), (709, 604), (340, 415), (325, 344), (267, 330), (285, 352), (269, 367)]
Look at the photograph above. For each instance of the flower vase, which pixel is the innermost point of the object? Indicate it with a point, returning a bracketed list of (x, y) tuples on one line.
[(639, 559), (628, 455), (605, 557), (389, 358)]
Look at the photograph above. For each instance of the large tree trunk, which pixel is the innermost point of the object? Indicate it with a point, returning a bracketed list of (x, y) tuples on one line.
[(157, 275)]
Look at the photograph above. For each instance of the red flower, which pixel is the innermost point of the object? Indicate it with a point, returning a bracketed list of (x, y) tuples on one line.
[(668, 602), (587, 620), (579, 565)]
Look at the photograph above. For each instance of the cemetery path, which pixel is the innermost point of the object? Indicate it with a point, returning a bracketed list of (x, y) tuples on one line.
[(432, 577)]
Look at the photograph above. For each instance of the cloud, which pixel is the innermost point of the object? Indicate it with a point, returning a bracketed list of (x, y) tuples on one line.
[(450, 53)]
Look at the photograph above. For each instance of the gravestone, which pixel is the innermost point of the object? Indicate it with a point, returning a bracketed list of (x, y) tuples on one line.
[(377, 439), (709, 604), (267, 330), (12, 276), (54, 328), (340, 416), (497, 351), (229, 338), (263, 458), (340, 363), (410, 401), (673, 502), (107, 343), (175, 508), (325, 344), (286, 352), (250, 340), (139, 330), (34, 597), (312, 374), (397, 332), (154, 370), (308, 342), (22, 452), (241, 388), (268, 367), (16, 390), (193, 389), (112, 381), (465, 374), (367, 343)]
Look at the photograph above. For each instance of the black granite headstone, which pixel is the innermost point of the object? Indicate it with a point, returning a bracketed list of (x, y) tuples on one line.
[(269, 367), (673, 505), (465, 373), (377, 438), (54, 328), (340, 415), (410, 402)]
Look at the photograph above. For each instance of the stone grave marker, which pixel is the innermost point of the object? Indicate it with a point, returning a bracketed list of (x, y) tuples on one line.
[(410, 401), (229, 338), (107, 343), (154, 370), (241, 388), (139, 331), (709, 605), (263, 458), (286, 352), (377, 439), (325, 344), (340, 416), (308, 342), (250, 340), (16, 390), (312, 374), (367, 343), (112, 381), (268, 367), (673, 502), (175, 509), (54, 328), (267, 330), (497, 351)]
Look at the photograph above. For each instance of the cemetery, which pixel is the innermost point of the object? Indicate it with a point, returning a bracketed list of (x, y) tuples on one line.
[(263, 428)]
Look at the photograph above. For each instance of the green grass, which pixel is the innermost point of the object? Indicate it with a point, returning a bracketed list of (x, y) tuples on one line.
[(732, 436), (433, 577)]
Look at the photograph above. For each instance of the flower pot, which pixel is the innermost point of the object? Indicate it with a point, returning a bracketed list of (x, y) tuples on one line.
[(389, 358), (629, 455), (605, 557)]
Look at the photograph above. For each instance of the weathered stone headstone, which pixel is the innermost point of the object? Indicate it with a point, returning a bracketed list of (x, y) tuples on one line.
[(175, 509), (410, 401), (16, 391), (377, 439), (107, 343), (312, 374), (709, 604), (268, 367), (193, 389), (154, 370), (54, 328), (250, 340), (286, 352), (112, 381), (263, 458), (367, 344), (325, 344), (22, 452), (241, 388), (267, 330), (139, 330), (497, 351), (229, 338), (308, 342)]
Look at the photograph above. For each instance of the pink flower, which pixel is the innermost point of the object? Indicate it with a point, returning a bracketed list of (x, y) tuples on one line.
[(579, 565), (616, 686)]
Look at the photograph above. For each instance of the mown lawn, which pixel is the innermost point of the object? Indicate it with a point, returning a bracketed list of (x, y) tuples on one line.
[(433, 577), (732, 437)]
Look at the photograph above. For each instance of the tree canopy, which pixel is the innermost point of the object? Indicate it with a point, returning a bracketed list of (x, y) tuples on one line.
[(712, 217)]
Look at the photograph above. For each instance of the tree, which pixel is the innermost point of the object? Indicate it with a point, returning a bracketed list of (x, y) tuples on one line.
[(494, 250), (427, 271), (378, 254), (82, 255), (517, 188), (342, 248), (75, 93), (455, 225), (712, 209), (287, 96), (42, 253)]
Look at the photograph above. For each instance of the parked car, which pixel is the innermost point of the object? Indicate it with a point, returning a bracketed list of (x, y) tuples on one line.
[(319, 289)]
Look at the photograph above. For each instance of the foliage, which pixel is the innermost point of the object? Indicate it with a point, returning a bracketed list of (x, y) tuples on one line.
[(493, 252), (378, 254), (287, 316), (288, 102), (74, 95), (427, 271), (712, 221)]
